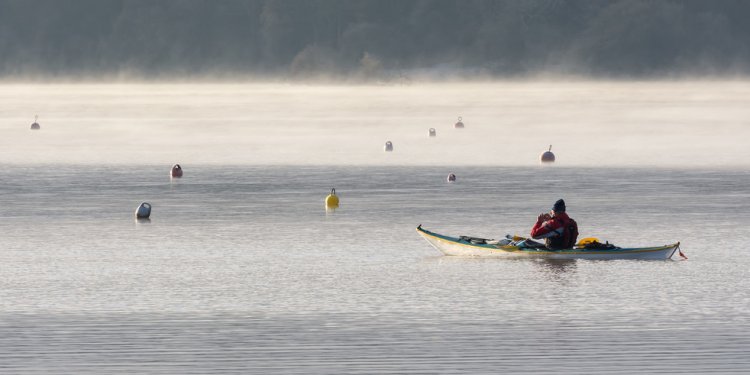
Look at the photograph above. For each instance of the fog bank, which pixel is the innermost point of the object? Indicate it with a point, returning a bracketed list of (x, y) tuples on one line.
[(507, 123)]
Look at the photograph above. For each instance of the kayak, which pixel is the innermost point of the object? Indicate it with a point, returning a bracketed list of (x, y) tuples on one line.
[(476, 247)]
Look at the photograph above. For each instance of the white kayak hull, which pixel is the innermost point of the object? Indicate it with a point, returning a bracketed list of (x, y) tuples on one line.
[(454, 246)]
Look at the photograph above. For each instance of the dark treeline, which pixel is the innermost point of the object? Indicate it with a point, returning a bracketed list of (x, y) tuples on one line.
[(372, 38)]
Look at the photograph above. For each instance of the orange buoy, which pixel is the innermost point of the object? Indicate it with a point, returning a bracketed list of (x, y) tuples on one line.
[(548, 156)]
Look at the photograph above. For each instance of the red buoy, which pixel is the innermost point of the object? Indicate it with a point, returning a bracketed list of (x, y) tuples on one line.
[(176, 171)]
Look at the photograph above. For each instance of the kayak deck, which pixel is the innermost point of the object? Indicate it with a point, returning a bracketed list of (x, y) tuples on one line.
[(456, 246)]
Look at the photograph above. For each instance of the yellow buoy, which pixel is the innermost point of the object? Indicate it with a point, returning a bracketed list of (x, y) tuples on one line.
[(332, 200)]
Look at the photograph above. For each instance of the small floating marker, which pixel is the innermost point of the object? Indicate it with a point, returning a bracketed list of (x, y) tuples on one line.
[(143, 211), (432, 132), (176, 171), (548, 156), (459, 124), (332, 200), (388, 146), (451, 177), (35, 125)]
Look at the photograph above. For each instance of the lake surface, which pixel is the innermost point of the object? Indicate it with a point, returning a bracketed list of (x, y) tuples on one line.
[(241, 270)]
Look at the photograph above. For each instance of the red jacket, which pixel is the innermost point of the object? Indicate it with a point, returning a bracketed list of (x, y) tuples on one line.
[(560, 232)]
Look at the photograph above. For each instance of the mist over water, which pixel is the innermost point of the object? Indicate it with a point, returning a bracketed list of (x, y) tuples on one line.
[(650, 123)]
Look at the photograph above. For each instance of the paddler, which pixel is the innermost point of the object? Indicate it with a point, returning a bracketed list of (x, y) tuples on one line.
[(557, 229)]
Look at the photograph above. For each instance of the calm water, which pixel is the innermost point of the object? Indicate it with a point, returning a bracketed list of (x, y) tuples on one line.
[(241, 270)]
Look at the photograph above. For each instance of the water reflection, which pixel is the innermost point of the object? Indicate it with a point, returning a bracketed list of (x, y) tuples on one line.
[(142, 220), (556, 269)]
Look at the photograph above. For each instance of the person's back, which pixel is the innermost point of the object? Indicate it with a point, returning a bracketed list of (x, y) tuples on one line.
[(557, 228)]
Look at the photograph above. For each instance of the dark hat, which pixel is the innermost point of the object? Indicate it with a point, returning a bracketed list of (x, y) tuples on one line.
[(559, 206)]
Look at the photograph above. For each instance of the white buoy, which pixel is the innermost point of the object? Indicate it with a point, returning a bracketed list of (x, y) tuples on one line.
[(451, 177), (388, 146), (143, 211), (432, 132), (548, 156), (459, 124), (176, 171), (35, 125)]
